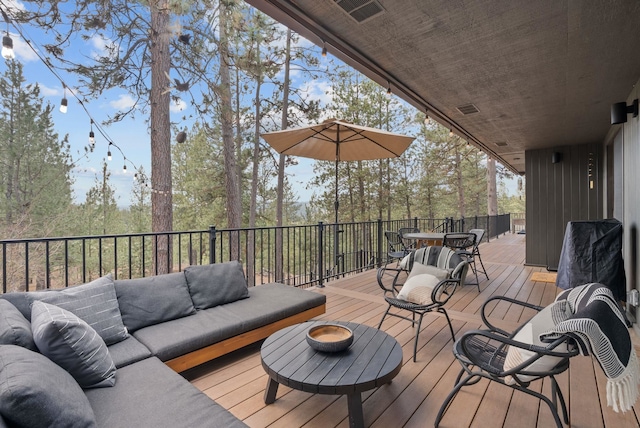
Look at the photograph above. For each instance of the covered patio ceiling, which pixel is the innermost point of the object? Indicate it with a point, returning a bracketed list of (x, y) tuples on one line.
[(508, 75)]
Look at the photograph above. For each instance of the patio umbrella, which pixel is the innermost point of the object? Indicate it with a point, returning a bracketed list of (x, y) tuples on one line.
[(338, 141)]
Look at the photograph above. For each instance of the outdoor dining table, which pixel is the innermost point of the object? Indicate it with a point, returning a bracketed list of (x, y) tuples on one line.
[(424, 239)]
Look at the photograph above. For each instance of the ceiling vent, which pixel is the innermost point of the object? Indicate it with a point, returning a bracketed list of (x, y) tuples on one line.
[(501, 143), (468, 109), (361, 10)]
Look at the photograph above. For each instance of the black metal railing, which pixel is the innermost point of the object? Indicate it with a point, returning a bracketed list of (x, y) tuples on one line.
[(300, 256)]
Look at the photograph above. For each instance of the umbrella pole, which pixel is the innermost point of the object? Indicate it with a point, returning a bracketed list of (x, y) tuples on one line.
[(336, 205)]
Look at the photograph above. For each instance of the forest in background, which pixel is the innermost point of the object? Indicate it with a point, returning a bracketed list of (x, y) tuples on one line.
[(243, 89)]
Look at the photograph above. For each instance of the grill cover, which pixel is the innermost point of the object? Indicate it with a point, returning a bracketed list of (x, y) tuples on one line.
[(592, 252)]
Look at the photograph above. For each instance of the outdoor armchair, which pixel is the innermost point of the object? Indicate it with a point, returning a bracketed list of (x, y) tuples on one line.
[(424, 283), (463, 243), (407, 244), (514, 359), (395, 251)]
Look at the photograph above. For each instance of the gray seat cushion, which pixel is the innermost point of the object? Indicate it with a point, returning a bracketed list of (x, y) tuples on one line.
[(154, 299), (266, 304), (150, 394), (128, 351), (35, 392), (216, 284), (14, 327)]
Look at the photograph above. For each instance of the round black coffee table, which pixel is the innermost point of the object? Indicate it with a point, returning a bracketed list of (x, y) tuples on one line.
[(372, 360)]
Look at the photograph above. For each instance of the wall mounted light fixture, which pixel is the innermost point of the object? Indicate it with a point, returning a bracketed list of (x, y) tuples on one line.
[(619, 111)]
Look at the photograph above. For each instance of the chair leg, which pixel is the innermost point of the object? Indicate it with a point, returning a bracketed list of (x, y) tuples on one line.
[(383, 317), (555, 389), (552, 407), (415, 343), (450, 397), (484, 270), (444, 311)]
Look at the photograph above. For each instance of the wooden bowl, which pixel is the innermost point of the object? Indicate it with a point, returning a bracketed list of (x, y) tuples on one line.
[(329, 337)]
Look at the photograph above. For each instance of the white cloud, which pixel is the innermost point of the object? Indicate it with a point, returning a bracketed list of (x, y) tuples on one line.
[(49, 92), (124, 101), (177, 106), (102, 46), (22, 50)]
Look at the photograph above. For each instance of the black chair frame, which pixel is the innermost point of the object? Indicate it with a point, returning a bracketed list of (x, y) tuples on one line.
[(440, 295), (476, 253), (395, 251), (463, 243), (481, 353)]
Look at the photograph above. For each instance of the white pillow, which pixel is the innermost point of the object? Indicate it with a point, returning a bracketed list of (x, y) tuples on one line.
[(418, 288), (530, 334), (419, 269)]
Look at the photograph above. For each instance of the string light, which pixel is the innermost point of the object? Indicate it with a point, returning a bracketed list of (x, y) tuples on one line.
[(124, 168), (92, 137), (7, 42), (450, 132), (426, 117), (388, 89), (324, 49), (109, 151)]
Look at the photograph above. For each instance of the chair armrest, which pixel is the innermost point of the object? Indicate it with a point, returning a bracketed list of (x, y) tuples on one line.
[(495, 344), (443, 291), (388, 279), (507, 299)]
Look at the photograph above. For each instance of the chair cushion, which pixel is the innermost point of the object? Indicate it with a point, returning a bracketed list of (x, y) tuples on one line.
[(154, 299), (216, 284), (95, 303), (14, 327), (530, 334), (35, 392), (418, 289), (72, 344)]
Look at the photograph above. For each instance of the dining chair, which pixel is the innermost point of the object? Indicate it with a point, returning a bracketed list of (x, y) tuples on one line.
[(476, 252), (463, 243), (407, 244), (395, 251)]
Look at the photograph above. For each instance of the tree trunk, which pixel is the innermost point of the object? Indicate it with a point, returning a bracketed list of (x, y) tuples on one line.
[(492, 194), (226, 121), (460, 184), (279, 274), (254, 173), (161, 196)]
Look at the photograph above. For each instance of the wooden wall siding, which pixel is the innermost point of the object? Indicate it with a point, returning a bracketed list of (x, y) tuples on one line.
[(631, 202), (558, 193)]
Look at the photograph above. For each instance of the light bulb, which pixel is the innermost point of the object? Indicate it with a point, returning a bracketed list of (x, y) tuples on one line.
[(389, 91), (7, 48), (109, 152), (92, 139), (63, 105), (124, 168), (426, 119), (324, 50), (450, 132)]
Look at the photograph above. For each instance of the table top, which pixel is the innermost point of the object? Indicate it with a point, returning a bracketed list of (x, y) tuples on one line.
[(372, 360), (424, 235)]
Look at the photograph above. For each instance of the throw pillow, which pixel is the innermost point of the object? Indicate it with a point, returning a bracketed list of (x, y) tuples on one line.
[(14, 327), (34, 392), (154, 299), (73, 345), (95, 303), (216, 284), (418, 288), (419, 268), (530, 333)]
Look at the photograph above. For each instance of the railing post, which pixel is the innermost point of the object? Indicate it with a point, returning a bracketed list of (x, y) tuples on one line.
[(415, 222), (320, 255), (462, 224), (380, 242), (212, 244)]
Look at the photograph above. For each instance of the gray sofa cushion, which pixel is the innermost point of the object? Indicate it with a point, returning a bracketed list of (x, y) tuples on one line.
[(128, 351), (14, 327), (94, 302), (266, 304), (35, 392), (216, 284), (73, 345), (150, 394), (154, 299)]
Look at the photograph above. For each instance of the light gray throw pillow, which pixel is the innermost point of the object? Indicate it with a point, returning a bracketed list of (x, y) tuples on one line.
[(72, 344), (14, 327), (216, 284), (95, 303), (36, 393)]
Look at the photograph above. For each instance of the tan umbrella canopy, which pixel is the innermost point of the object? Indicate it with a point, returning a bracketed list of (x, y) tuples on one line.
[(338, 141)]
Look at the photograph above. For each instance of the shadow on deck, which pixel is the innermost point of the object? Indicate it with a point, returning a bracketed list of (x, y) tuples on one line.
[(237, 381)]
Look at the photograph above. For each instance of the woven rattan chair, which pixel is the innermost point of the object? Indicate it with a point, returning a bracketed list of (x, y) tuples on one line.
[(390, 280), (482, 354)]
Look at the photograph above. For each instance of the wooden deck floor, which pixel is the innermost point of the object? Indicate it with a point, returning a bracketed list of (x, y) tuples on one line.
[(238, 381)]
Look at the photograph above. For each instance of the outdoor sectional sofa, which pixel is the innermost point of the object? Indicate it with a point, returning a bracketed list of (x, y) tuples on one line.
[(106, 353)]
